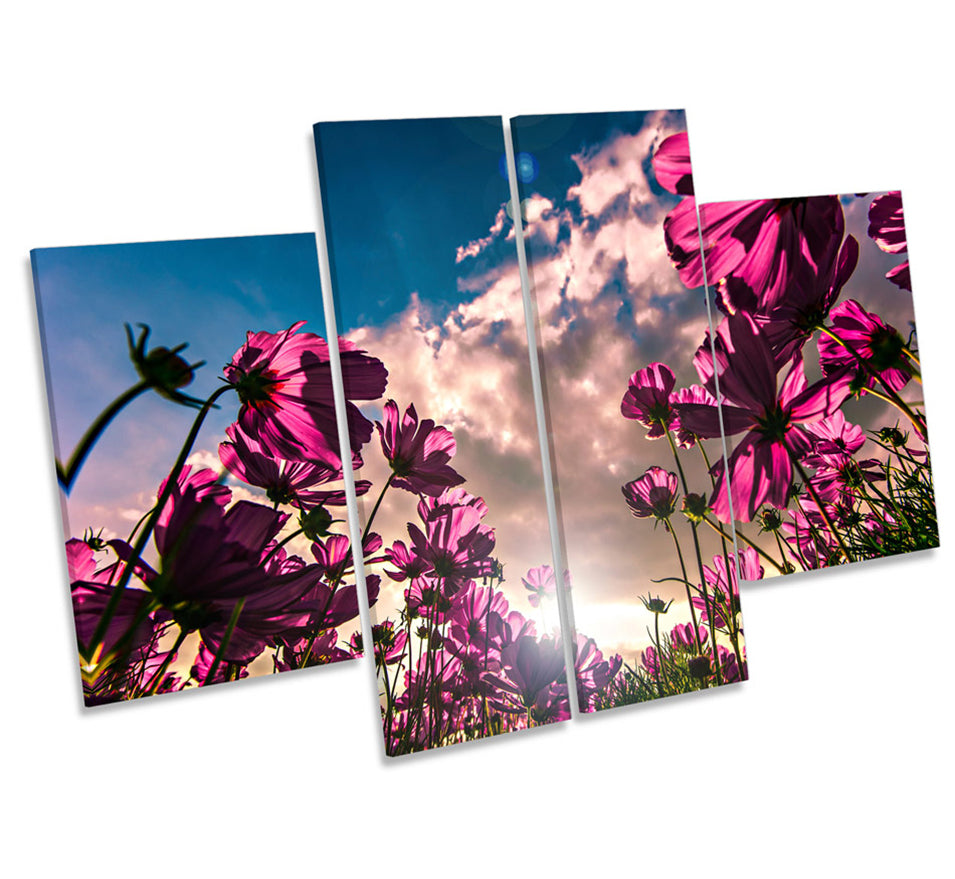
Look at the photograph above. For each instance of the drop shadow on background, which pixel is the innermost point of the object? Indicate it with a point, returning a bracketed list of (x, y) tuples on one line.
[(919, 558)]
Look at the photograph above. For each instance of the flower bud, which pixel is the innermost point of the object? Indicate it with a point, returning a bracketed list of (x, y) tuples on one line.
[(893, 436), (700, 667), (695, 507), (769, 519), (315, 523)]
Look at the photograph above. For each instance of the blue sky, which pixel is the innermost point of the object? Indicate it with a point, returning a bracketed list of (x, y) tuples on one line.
[(401, 196), (554, 139), (208, 293)]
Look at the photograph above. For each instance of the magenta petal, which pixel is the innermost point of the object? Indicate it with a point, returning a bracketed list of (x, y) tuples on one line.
[(749, 378), (760, 472), (671, 165)]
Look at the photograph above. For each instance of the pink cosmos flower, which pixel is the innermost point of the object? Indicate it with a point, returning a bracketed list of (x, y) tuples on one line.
[(308, 652), (510, 629), (211, 559), (202, 665), (592, 672), (838, 479), (285, 388), (887, 229), (455, 544), (653, 494), (723, 586), (834, 437), (808, 538), (869, 339), (681, 636), (409, 566), (811, 294), (671, 164), (131, 628), (285, 482), (425, 598), (729, 665), (470, 613), (760, 466), (530, 667), (647, 399), (693, 394), (756, 244), (540, 584), (417, 452)]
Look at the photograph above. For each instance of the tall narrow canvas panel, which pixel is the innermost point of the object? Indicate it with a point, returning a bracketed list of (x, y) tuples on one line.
[(425, 278), (818, 364), (198, 461), (650, 570)]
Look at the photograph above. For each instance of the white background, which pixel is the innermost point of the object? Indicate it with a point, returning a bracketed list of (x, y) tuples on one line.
[(130, 122)]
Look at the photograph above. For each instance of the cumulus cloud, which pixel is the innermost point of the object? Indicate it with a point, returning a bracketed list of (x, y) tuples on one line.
[(609, 302)]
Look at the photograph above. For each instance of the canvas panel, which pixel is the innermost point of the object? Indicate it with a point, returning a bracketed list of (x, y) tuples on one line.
[(424, 271), (818, 364), (197, 456)]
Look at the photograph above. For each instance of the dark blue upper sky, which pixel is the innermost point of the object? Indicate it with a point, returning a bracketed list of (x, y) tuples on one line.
[(554, 140), (400, 197)]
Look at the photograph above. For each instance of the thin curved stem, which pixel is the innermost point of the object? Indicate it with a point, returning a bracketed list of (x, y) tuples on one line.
[(748, 542), (892, 396), (147, 531), (822, 508), (157, 678), (229, 629), (66, 475), (686, 585), (371, 518)]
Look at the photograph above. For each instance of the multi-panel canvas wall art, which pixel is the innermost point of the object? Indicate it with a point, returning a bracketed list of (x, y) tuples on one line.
[(731, 391), (198, 460), (468, 641), (818, 365), (651, 571)]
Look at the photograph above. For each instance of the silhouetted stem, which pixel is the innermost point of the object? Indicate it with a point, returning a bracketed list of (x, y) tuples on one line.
[(822, 509), (146, 533), (229, 629), (67, 474)]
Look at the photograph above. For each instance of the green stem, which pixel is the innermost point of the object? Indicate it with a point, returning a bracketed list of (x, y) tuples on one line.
[(699, 560), (157, 678), (710, 608), (147, 531), (229, 629), (821, 507), (659, 664), (68, 474), (686, 586), (280, 544), (371, 518), (891, 396), (763, 554)]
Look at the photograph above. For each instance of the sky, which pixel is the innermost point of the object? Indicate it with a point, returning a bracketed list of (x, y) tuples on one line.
[(609, 303), (403, 201), (207, 293)]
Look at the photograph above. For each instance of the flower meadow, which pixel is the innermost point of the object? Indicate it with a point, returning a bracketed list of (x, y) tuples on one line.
[(461, 661), (795, 363), (224, 582), (238, 560)]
